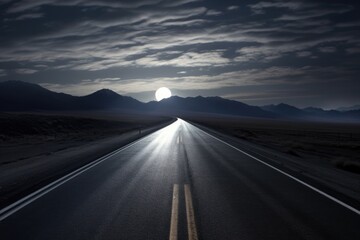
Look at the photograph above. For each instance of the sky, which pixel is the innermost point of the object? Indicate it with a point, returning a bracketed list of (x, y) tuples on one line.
[(304, 53)]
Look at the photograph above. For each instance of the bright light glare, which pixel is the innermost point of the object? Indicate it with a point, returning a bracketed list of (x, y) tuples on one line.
[(162, 93)]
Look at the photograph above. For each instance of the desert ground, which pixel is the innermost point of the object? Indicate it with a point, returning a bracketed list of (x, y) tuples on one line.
[(25, 135), (36, 148), (323, 151), (337, 144)]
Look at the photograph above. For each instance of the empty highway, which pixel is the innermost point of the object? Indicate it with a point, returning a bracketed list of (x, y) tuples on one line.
[(179, 183)]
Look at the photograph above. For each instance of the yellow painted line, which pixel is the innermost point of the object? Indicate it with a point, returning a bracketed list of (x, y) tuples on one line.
[(174, 214), (192, 233)]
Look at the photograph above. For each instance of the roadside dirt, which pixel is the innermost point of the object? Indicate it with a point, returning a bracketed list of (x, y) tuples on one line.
[(36, 149), (327, 153)]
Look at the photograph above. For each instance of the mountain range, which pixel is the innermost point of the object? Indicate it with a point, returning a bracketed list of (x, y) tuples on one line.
[(23, 96), (312, 113), (344, 109)]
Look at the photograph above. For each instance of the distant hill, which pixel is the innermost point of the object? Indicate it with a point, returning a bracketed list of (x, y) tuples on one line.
[(285, 110), (23, 96), (19, 96), (312, 113), (314, 110), (344, 109), (319, 112), (106, 98), (216, 105)]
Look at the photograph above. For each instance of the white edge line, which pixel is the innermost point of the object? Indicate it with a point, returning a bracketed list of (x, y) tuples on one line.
[(16, 206), (288, 175)]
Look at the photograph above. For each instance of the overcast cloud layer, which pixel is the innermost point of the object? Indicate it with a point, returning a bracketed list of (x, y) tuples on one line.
[(298, 52)]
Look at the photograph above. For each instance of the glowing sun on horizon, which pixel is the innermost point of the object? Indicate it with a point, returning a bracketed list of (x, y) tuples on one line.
[(162, 93)]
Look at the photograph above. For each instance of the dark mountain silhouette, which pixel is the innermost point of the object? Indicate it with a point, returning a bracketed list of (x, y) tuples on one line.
[(106, 98), (319, 112), (22, 96), (314, 110), (215, 105), (312, 113), (285, 110), (344, 109), (18, 96)]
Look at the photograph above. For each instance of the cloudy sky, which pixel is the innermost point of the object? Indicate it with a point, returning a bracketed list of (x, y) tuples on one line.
[(258, 52)]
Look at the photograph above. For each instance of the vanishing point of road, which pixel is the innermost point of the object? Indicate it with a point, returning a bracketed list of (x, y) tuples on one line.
[(179, 183)]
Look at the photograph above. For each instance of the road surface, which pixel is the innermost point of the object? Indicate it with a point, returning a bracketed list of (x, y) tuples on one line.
[(179, 183)]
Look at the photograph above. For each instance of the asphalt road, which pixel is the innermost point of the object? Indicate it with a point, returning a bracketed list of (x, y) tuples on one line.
[(179, 183)]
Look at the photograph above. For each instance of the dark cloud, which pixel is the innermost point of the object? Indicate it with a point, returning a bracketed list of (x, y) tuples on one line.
[(250, 50)]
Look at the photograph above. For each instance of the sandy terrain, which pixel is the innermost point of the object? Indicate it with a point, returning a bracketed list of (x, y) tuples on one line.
[(326, 152), (38, 148)]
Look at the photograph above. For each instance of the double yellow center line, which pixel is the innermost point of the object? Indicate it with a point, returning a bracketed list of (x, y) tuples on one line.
[(190, 216)]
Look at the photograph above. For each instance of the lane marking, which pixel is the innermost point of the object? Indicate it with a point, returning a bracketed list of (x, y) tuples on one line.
[(174, 214), (190, 216), (16, 206), (286, 174)]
